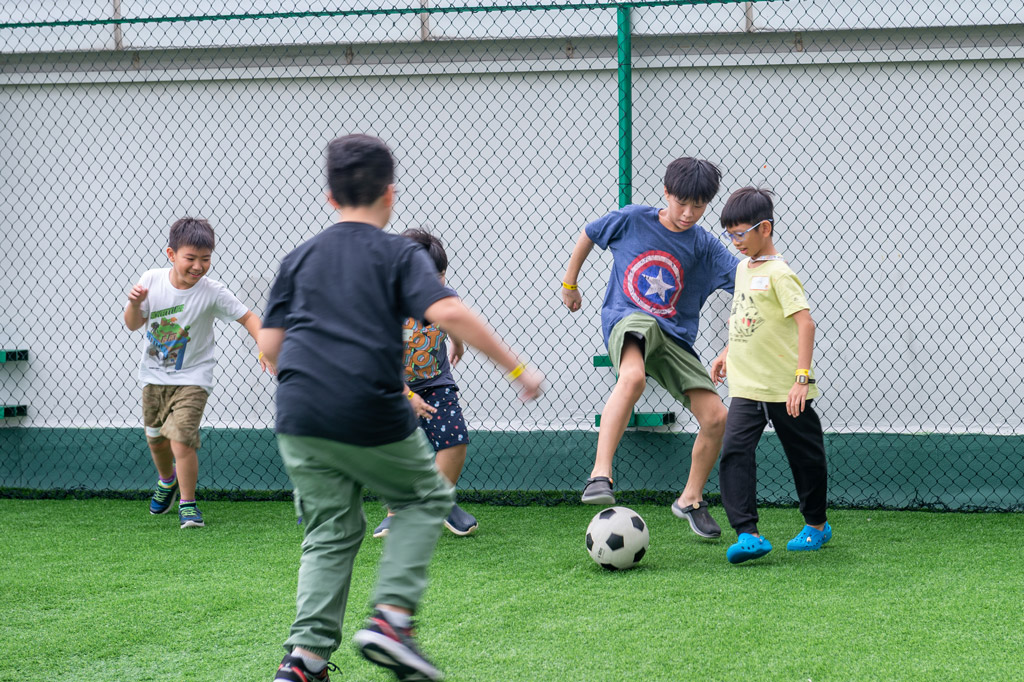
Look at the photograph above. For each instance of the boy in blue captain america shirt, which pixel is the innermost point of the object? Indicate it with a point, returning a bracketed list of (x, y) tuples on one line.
[(664, 267)]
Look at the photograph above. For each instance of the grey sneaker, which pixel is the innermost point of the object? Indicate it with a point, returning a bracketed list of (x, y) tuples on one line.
[(460, 521), (382, 530), (598, 491), (700, 520)]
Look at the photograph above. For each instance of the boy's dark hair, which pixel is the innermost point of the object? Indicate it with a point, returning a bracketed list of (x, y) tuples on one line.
[(432, 244), (359, 169), (692, 179), (191, 232), (749, 206)]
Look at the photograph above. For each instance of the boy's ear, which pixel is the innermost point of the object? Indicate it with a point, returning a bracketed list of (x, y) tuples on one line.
[(331, 202), (170, 254)]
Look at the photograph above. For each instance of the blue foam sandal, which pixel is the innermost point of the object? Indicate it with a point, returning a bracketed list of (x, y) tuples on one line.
[(747, 547), (810, 539)]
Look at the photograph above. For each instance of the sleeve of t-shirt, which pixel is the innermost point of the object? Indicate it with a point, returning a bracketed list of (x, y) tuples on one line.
[(790, 293), (419, 285), (275, 315), (227, 307), (607, 228), (723, 266)]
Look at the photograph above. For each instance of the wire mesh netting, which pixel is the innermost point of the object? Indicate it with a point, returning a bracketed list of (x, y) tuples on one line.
[(890, 132)]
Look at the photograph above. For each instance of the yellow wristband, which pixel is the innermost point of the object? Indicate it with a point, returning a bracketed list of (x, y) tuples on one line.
[(803, 372), (570, 287), (260, 356), (514, 374), (410, 394)]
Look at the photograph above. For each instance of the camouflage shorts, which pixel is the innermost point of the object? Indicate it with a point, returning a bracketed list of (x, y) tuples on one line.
[(173, 412)]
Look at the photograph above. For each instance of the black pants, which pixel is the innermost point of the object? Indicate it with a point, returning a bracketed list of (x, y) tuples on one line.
[(804, 444)]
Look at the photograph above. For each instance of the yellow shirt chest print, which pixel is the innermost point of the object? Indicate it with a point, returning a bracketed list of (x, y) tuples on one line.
[(762, 333)]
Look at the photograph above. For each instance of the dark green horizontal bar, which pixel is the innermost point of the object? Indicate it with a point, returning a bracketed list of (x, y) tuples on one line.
[(645, 419), (13, 355), (602, 361), (543, 7), (15, 411)]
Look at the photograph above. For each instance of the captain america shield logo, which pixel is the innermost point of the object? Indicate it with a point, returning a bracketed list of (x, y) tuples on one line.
[(653, 282)]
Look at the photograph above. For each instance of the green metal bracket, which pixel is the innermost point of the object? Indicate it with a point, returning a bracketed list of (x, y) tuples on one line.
[(645, 419), (602, 361), (13, 355), (15, 411)]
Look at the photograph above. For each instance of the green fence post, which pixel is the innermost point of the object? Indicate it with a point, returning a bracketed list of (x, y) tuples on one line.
[(625, 107)]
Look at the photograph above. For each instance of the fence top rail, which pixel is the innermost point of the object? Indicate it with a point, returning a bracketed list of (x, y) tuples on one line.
[(382, 11)]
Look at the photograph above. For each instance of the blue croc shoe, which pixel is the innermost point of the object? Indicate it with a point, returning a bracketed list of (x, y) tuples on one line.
[(747, 547), (810, 539)]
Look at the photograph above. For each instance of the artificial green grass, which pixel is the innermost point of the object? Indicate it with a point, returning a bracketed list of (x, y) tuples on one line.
[(96, 590)]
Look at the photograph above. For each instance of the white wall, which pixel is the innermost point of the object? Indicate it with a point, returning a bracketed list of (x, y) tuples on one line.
[(897, 171)]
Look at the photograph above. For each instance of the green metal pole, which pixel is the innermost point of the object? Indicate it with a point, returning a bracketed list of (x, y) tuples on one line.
[(625, 108)]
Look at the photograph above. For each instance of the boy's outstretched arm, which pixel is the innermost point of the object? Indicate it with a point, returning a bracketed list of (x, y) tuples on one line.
[(452, 315), (572, 298), (804, 351), (252, 325), (133, 318)]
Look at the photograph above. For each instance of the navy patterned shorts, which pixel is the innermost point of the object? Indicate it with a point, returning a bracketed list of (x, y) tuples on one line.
[(446, 428)]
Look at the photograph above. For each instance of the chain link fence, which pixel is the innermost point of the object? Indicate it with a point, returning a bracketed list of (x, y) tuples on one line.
[(890, 132)]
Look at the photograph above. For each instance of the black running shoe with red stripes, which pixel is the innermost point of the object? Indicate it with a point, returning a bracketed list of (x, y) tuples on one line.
[(394, 648), (293, 669)]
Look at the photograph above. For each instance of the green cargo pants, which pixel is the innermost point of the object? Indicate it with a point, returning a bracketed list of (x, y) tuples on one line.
[(329, 477)]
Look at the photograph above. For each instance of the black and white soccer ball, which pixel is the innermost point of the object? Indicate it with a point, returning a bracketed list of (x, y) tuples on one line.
[(617, 538)]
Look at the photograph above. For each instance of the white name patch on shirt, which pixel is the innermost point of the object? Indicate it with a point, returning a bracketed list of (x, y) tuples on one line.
[(759, 283)]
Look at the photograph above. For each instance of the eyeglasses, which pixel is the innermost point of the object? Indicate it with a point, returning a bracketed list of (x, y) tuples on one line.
[(738, 236)]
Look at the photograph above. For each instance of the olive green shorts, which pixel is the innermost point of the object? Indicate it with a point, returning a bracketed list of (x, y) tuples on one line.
[(173, 412), (673, 367)]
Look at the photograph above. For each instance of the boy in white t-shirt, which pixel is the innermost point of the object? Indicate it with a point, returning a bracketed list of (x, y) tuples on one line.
[(178, 306)]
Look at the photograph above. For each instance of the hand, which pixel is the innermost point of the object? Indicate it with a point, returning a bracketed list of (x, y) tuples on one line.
[(420, 407), (456, 352), (266, 365), (718, 368), (530, 384), (796, 400), (137, 295), (572, 298)]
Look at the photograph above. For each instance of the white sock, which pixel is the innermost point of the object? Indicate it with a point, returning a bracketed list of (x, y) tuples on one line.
[(313, 665), (399, 620)]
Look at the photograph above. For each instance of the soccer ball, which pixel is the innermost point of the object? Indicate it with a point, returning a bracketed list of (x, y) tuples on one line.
[(617, 538)]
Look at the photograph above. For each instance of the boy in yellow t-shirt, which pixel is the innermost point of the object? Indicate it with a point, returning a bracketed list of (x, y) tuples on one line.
[(771, 340)]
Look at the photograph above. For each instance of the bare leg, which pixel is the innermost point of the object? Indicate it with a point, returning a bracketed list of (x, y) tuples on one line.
[(450, 462), (163, 458), (187, 462), (617, 411), (710, 413)]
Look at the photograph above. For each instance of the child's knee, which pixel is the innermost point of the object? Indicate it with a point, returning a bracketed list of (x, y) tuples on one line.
[(714, 421), (632, 382)]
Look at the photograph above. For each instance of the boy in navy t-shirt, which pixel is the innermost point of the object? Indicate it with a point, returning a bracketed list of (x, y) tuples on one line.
[(333, 327), (664, 267)]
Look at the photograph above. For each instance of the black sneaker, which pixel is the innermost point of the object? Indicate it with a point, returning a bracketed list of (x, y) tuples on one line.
[(293, 669), (460, 521), (700, 519), (598, 491), (394, 648)]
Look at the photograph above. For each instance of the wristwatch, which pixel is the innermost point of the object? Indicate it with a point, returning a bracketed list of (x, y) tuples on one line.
[(803, 376)]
